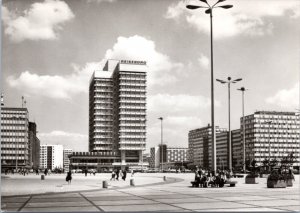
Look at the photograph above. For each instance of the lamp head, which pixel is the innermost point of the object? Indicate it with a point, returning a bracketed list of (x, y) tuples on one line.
[(226, 6), (192, 7)]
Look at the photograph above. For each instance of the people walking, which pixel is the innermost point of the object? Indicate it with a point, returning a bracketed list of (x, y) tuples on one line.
[(69, 177), (46, 172), (113, 175), (85, 172), (124, 174), (117, 174)]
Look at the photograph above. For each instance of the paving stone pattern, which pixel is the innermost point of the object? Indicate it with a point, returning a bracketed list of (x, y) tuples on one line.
[(174, 197)]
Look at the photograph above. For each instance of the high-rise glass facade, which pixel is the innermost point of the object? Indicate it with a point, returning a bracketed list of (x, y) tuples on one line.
[(117, 110)]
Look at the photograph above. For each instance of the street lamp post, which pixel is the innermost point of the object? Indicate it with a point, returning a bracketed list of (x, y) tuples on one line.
[(244, 142), (209, 10), (161, 148), (228, 82)]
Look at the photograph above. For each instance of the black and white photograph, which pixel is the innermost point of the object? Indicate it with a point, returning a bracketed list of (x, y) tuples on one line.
[(150, 105)]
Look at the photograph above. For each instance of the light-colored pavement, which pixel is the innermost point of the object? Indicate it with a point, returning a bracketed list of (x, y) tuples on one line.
[(175, 196), (32, 184)]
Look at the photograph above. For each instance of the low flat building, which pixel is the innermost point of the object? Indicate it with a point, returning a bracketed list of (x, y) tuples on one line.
[(170, 155)]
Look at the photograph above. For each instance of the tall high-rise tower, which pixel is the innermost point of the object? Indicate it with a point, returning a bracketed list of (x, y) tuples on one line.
[(117, 109)]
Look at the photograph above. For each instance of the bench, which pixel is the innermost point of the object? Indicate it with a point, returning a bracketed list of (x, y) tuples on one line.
[(230, 183)]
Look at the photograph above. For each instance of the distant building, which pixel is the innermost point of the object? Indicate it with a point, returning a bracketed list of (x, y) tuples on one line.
[(34, 146), (268, 135), (14, 138), (51, 156), (237, 148), (274, 134), (222, 150), (67, 152), (117, 111), (177, 154), (171, 155), (200, 150), (154, 161)]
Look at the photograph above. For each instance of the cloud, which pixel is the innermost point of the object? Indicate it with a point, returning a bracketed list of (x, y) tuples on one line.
[(75, 141), (178, 103), (286, 98), (187, 122), (175, 129), (55, 86), (175, 10), (203, 61), (246, 17), (162, 70), (41, 21), (100, 1)]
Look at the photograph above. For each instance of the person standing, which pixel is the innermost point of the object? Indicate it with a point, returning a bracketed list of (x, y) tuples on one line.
[(124, 174), (113, 175), (69, 177), (85, 172), (117, 174)]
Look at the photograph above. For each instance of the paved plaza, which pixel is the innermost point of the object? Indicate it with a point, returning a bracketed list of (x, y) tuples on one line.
[(150, 193)]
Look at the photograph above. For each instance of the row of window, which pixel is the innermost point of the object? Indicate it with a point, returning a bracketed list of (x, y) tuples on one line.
[(12, 133), (8, 113), (12, 127)]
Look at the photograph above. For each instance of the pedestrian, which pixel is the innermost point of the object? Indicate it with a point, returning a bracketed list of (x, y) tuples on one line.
[(117, 174), (113, 175), (46, 172), (85, 172), (132, 173), (124, 174), (94, 172), (69, 177)]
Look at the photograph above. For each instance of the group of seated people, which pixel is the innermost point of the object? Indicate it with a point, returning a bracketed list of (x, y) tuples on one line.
[(205, 179)]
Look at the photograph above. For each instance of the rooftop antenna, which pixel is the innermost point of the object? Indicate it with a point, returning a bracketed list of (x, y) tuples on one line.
[(22, 101)]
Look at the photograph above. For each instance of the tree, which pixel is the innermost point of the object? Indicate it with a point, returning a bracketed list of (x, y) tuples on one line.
[(273, 162), (288, 161)]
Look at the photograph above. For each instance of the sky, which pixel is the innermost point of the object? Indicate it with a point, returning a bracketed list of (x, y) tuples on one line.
[(50, 49)]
